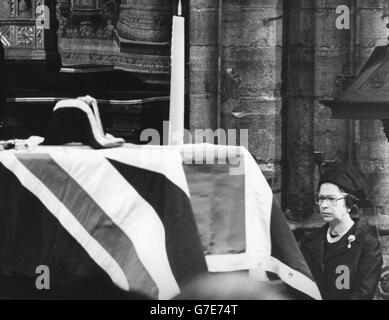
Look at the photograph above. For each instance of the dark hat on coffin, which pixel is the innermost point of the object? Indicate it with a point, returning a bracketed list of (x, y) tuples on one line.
[(78, 120)]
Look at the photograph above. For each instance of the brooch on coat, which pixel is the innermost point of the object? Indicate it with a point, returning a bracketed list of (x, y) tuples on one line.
[(350, 239)]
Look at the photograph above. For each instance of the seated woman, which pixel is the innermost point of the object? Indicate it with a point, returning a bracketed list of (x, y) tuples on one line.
[(344, 255)]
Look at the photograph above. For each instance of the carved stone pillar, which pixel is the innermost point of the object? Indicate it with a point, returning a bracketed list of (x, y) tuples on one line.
[(141, 20)]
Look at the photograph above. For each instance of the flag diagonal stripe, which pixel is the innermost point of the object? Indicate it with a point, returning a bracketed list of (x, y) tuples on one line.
[(93, 219), (183, 245), (128, 210)]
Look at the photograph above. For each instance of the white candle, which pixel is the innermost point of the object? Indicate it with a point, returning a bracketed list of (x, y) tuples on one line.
[(177, 83)]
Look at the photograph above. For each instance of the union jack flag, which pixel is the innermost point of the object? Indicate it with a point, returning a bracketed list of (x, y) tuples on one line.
[(151, 217)]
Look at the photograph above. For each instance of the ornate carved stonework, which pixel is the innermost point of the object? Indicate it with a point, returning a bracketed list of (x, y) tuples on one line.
[(86, 30), (377, 80), (13, 8), (87, 19), (5, 32), (145, 21), (25, 36), (25, 9), (40, 38), (5, 10), (132, 62), (133, 35), (85, 6), (88, 34)]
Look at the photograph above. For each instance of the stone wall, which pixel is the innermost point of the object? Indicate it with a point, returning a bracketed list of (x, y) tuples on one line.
[(334, 55), (242, 90), (317, 53), (251, 78), (251, 74), (371, 144)]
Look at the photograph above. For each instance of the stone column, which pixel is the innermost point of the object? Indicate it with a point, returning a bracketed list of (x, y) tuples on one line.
[(300, 106), (334, 55), (317, 53), (203, 63), (251, 79)]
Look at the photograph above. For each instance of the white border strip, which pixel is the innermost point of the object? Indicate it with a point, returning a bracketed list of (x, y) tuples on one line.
[(229, 262), (292, 277), (258, 204)]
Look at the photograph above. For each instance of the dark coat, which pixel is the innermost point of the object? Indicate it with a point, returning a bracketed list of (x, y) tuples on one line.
[(363, 260)]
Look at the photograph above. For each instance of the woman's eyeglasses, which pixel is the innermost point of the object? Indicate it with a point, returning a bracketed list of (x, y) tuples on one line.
[(332, 200)]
